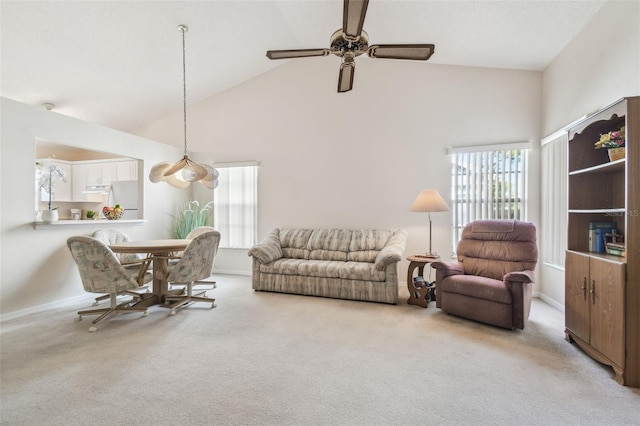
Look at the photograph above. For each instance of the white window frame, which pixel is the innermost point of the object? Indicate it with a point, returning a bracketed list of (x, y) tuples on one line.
[(473, 194), (235, 210)]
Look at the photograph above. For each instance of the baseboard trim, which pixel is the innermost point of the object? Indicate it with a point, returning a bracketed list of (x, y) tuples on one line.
[(232, 272), (47, 306), (549, 301)]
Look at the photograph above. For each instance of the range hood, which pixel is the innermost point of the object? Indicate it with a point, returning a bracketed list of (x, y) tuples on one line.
[(97, 189)]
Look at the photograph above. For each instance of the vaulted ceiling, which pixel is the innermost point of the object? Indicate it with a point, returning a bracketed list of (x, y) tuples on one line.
[(119, 63)]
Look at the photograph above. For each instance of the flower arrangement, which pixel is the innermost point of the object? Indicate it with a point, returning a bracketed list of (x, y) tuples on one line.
[(49, 177), (612, 139), (191, 215)]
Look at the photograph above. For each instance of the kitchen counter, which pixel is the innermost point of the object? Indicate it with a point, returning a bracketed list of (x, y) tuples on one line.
[(99, 222)]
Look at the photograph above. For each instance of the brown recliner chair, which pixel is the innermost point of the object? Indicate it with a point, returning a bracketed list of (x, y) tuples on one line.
[(492, 280)]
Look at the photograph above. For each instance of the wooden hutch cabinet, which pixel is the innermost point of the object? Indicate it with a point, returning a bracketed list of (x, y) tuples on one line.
[(602, 291)]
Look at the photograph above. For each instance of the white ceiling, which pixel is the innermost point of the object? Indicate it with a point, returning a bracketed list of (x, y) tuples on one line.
[(119, 63)]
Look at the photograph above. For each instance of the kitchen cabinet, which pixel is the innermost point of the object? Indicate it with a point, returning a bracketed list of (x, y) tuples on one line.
[(91, 173), (127, 170)]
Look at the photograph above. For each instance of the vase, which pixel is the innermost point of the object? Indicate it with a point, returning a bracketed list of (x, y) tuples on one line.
[(616, 153), (50, 215)]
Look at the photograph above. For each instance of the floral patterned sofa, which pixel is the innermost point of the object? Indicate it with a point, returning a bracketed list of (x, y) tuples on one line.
[(337, 263)]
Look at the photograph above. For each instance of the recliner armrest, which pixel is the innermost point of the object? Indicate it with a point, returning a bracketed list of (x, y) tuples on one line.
[(448, 268), (268, 249), (392, 251), (520, 276)]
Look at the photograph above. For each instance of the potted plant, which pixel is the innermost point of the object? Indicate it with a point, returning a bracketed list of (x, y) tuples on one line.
[(91, 214), (191, 215), (49, 176), (614, 142)]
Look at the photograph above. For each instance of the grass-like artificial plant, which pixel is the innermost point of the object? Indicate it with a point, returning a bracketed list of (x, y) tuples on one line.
[(191, 215)]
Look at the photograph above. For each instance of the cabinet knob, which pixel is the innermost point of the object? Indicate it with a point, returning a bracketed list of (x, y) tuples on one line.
[(584, 288), (593, 292)]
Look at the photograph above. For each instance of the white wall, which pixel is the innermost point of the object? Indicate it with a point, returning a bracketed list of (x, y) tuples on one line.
[(599, 66), (36, 267), (358, 160)]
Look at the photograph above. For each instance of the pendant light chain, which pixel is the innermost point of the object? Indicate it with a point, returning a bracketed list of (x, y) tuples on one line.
[(184, 29)]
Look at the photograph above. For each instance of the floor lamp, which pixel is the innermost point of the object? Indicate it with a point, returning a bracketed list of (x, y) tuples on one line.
[(429, 200)]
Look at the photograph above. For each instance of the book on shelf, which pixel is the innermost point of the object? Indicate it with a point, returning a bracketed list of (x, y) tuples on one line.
[(615, 252), (597, 231)]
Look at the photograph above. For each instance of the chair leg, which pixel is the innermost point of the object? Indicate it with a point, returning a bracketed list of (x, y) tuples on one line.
[(182, 301), (112, 309), (100, 299)]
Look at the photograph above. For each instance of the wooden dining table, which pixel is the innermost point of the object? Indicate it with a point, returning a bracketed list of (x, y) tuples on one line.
[(159, 250)]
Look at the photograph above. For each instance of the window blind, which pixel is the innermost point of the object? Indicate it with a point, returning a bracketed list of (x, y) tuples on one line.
[(235, 209), (488, 184), (553, 232)]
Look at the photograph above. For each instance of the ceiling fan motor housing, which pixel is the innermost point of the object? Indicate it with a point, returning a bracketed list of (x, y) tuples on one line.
[(341, 45)]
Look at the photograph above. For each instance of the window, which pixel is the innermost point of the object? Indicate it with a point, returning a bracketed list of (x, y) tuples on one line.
[(488, 183), (554, 199), (235, 211)]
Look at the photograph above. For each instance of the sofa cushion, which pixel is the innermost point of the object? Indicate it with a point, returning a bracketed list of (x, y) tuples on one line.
[(294, 243), (478, 287), (320, 268), (361, 271), (366, 244), (283, 266), (329, 244)]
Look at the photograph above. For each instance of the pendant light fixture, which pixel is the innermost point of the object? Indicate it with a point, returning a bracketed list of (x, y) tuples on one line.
[(184, 171)]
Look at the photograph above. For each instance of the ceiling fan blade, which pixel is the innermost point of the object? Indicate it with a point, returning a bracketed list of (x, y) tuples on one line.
[(418, 52), (345, 81), (353, 16), (296, 53)]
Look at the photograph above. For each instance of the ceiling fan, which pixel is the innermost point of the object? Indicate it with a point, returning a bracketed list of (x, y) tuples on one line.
[(351, 41)]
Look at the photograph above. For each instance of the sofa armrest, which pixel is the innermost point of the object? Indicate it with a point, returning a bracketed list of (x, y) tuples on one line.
[(392, 251), (448, 268), (268, 249), (520, 276)]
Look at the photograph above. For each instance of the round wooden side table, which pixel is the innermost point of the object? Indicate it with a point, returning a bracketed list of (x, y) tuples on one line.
[(419, 293)]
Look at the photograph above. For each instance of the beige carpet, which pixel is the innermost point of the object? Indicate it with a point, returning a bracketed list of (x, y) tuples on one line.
[(274, 359)]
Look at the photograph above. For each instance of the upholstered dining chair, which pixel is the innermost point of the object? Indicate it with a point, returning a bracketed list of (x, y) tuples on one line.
[(101, 272), (492, 280), (191, 235), (194, 265), (134, 262)]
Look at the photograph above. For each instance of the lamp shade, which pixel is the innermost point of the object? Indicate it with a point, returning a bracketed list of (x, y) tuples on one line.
[(429, 200)]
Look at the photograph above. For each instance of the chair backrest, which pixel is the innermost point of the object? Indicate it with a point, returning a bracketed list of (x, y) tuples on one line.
[(199, 230), (197, 261), (492, 248), (99, 268), (114, 236)]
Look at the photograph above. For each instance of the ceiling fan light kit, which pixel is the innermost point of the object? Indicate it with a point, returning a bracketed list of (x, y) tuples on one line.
[(184, 171), (351, 41)]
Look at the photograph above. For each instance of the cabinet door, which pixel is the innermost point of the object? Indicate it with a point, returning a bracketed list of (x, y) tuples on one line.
[(78, 182), (93, 174), (607, 308), (108, 172), (127, 170), (576, 284)]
